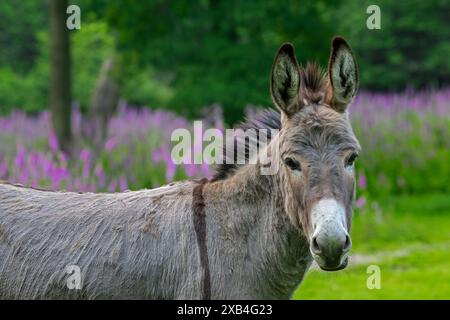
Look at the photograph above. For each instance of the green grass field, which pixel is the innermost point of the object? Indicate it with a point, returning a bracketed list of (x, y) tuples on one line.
[(409, 239)]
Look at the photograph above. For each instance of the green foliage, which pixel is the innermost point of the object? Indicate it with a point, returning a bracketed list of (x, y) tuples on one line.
[(217, 51), (410, 51), (25, 91), (141, 87), (20, 22), (184, 55), (90, 47), (211, 51)]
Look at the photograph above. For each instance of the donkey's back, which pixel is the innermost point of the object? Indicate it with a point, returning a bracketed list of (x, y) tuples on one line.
[(58, 245)]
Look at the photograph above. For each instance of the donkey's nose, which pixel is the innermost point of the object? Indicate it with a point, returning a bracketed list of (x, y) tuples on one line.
[(331, 248)]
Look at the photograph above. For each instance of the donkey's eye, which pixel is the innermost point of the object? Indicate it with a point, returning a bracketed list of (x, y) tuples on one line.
[(292, 164), (351, 160)]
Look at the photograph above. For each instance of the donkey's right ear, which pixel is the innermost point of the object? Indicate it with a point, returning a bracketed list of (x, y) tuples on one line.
[(285, 80), (343, 75)]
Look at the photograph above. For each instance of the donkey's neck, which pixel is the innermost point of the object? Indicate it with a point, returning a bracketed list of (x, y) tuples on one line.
[(250, 206)]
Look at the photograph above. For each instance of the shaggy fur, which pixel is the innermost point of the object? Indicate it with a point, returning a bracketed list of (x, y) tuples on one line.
[(242, 235)]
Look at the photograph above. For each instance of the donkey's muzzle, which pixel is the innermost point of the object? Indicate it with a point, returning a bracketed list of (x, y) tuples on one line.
[(330, 242), (331, 252)]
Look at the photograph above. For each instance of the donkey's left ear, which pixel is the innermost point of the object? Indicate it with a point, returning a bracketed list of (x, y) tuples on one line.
[(285, 80), (343, 75)]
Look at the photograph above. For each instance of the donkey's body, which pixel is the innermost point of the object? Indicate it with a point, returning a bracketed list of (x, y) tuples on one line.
[(143, 244), (127, 245), (242, 235)]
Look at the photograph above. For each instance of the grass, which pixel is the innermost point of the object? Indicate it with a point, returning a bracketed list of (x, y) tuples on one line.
[(409, 239)]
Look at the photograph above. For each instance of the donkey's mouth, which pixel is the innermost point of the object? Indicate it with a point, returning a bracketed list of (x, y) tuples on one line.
[(341, 266)]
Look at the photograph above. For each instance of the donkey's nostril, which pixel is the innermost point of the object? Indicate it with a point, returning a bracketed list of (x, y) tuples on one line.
[(315, 246), (348, 243)]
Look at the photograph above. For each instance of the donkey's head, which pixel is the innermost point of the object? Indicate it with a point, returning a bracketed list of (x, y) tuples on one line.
[(318, 148)]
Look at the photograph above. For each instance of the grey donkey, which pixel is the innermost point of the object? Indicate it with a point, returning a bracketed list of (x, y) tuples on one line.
[(241, 235)]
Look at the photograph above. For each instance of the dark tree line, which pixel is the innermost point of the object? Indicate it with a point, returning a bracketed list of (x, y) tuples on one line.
[(60, 74), (220, 51)]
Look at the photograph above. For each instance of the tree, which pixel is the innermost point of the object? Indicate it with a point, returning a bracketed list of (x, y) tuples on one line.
[(216, 51), (410, 50), (104, 100), (59, 86)]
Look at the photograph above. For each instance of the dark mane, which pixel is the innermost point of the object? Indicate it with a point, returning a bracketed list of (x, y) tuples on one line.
[(312, 91), (266, 119), (312, 84)]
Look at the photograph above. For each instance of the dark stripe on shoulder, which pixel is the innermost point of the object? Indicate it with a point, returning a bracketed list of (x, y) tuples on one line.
[(198, 208)]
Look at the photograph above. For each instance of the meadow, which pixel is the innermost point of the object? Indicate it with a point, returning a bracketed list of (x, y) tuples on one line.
[(409, 242), (402, 207)]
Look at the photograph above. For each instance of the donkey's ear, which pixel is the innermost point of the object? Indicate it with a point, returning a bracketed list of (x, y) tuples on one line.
[(343, 75), (285, 80)]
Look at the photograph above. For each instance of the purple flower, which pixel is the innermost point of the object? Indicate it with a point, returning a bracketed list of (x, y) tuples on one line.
[(110, 144), (362, 182), (3, 169), (112, 186), (85, 155), (20, 157), (23, 177), (100, 175), (170, 166), (361, 202), (123, 184), (206, 171), (390, 127), (86, 169), (190, 170), (53, 141)]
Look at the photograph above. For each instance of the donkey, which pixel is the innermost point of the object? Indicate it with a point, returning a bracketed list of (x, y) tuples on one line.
[(241, 235)]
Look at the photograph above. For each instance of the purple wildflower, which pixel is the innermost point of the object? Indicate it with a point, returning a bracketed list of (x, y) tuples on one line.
[(110, 144), (361, 202), (53, 141), (362, 182)]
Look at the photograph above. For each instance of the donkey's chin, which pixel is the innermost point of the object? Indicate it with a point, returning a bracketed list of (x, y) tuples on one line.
[(327, 266)]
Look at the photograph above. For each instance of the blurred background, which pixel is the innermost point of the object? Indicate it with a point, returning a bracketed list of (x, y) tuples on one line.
[(92, 109)]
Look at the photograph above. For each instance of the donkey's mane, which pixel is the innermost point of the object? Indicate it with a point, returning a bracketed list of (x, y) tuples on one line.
[(312, 90), (266, 119), (312, 84)]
